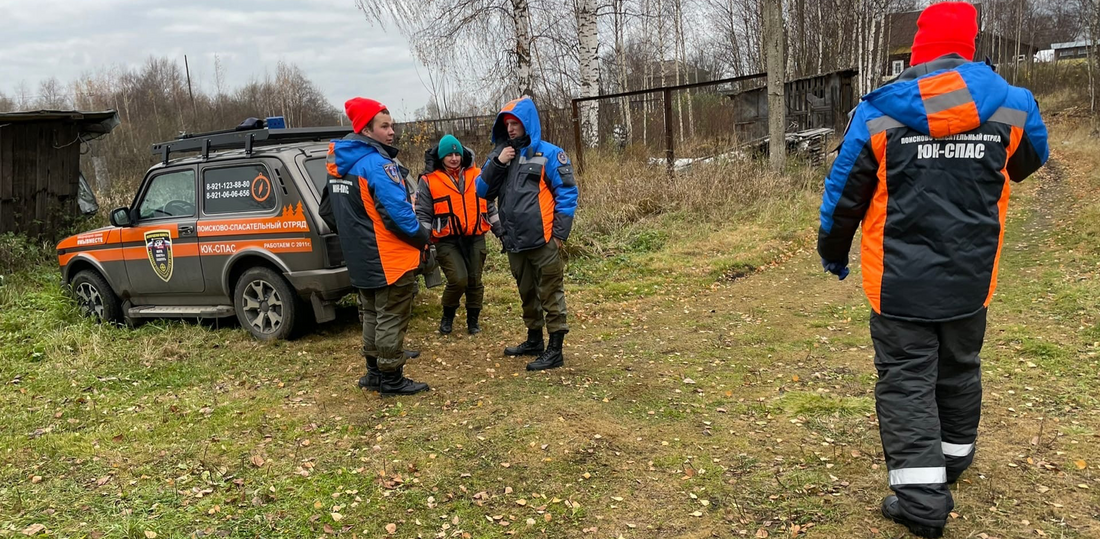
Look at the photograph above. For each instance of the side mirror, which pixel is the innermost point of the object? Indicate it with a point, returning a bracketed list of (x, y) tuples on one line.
[(120, 217)]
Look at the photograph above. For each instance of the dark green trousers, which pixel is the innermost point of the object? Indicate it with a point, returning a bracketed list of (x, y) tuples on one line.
[(540, 277), (462, 259), (386, 312)]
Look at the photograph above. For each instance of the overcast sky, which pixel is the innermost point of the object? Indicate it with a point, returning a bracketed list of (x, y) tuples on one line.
[(330, 40)]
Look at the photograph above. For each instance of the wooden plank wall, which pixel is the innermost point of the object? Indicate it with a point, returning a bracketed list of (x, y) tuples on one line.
[(39, 170)]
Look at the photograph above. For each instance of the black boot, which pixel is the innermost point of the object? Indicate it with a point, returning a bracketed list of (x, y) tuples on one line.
[(412, 354), (891, 511), (472, 316), (447, 323), (531, 347), (552, 358), (395, 383), (373, 379)]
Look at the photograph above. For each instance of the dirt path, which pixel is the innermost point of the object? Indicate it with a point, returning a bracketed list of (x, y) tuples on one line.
[(754, 396)]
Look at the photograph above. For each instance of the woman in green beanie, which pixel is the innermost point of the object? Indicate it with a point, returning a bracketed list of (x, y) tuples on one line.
[(447, 202)]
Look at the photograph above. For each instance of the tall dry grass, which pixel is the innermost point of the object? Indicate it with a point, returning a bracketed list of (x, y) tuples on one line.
[(619, 192)]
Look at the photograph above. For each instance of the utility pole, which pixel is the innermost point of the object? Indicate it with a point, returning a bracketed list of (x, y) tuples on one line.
[(774, 45), (187, 70)]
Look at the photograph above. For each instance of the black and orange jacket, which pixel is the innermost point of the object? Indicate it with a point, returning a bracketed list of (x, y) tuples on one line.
[(373, 210), (536, 193), (448, 204), (926, 165)]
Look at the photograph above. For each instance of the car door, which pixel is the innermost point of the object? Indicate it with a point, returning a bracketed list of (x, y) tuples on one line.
[(162, 250), (242, 211)]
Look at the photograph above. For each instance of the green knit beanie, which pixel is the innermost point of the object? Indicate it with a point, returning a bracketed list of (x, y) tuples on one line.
[(448, 145)]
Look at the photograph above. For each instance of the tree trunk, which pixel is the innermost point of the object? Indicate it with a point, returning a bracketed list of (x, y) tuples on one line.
[(820, 37), (677, 46), (777, 108), (588, 38), (620, 61), (521, 13)]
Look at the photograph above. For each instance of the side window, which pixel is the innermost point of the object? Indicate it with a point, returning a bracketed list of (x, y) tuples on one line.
[(318, 173), (169, 195), (240, 189)]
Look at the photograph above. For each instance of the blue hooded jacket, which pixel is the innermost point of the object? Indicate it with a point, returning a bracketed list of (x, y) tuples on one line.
[(372, 208), (925, 166), (536, 192)]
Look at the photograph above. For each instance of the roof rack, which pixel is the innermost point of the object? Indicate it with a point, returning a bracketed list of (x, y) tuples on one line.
[(246, 139)]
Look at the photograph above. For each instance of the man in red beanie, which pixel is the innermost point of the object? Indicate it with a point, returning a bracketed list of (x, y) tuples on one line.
[(370, 205), (926, 166)]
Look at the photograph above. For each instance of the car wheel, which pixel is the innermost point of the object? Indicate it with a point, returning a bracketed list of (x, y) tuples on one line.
[(266, 305), (95, 297)]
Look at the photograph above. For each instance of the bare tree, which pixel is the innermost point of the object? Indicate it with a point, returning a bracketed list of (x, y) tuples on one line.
[(589, 46), (775, 41)]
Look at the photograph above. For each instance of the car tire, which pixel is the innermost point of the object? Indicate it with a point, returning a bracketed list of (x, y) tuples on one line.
[(95, 297), (266, 305)]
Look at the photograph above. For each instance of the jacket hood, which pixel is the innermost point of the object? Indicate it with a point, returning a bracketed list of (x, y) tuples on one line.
[(354, 147), (432, 162), (943, 97), (524, 109)]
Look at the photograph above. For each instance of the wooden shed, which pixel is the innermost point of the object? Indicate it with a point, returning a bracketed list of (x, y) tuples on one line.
[(40, 167), (812, 102)]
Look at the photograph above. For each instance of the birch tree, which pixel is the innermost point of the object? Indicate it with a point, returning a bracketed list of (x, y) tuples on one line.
[(589, 45)]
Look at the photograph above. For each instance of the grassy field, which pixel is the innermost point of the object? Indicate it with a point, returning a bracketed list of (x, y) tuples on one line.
[(717, 384)]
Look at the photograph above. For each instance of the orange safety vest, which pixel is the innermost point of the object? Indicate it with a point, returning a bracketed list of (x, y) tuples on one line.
[(457, 213)]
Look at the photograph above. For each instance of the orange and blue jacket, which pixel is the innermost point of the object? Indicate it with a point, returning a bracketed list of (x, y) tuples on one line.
[(926, 166), (535, 193), (449, 204), (373, 212)]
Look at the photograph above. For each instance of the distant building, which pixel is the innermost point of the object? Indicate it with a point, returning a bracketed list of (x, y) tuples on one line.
[(1071, 50), (999, 49)]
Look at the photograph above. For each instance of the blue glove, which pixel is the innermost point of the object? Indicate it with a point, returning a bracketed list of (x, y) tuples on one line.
[(840, 269)]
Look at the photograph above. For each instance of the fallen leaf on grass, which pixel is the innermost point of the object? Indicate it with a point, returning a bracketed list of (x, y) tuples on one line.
[(391, 528), (33, 529), (36, 479), (150, 534), (1081, 465), (761, 533), (337, 517), (257, 461), (521, 502)]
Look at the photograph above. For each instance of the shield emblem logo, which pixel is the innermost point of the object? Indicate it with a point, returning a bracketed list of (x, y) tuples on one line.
[(158, 245)]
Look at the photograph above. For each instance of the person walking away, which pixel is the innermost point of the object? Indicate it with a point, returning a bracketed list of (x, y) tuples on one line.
[(927, 165)]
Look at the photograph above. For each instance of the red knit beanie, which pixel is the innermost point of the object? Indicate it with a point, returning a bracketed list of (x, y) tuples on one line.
[(506, 116), (945, 28), (361, 111)]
